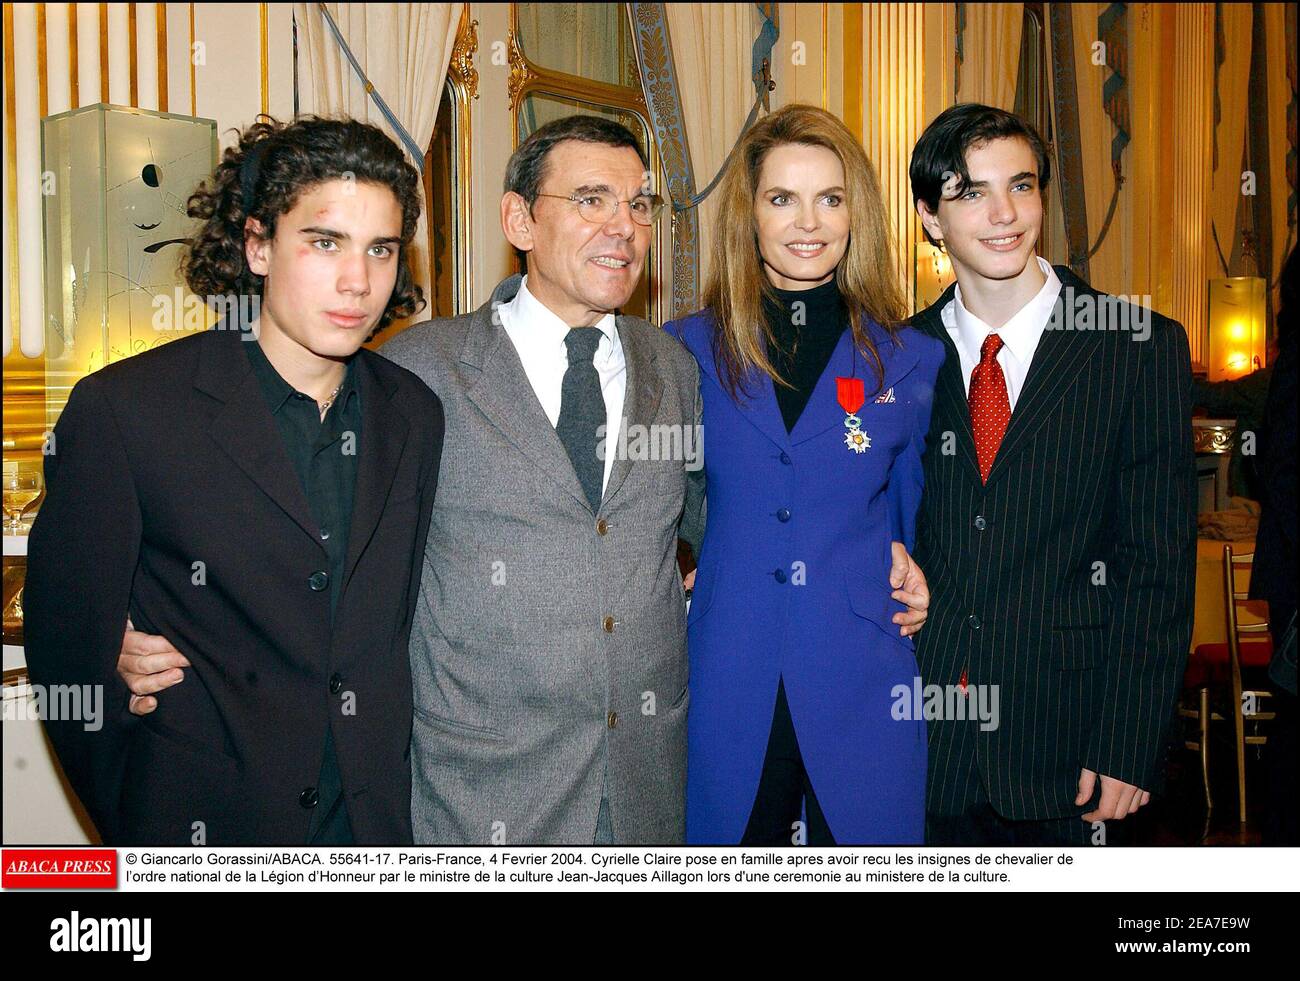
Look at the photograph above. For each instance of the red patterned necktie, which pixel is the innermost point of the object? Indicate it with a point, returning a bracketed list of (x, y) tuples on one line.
[(990, 407)]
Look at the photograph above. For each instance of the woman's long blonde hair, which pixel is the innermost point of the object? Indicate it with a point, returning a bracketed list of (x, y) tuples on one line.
[(867, 274)]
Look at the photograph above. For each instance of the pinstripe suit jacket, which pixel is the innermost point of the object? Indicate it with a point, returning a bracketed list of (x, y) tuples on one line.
[(1067, 580)]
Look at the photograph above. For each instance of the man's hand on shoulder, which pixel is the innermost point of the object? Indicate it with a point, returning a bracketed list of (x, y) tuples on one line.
[(910, 588)]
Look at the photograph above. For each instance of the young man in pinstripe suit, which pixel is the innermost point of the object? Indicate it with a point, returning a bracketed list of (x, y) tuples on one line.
[(1058, 523)]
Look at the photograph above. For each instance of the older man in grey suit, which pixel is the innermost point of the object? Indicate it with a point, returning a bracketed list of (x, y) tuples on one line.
[(548, 652)]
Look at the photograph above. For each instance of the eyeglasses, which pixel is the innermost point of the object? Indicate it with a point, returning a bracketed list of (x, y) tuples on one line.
[(599, 207)]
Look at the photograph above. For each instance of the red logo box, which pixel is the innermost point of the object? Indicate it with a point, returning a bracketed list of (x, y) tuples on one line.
[(58, 868)]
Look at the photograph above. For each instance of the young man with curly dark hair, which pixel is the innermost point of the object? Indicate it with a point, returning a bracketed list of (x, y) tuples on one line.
[(257, 497)]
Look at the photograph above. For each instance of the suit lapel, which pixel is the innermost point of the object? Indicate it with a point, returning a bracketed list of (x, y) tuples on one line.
[(505, 396), (244, 427), (1061, 356), (755, 399), (762, 409), (383, 436), (644, 390), (823, 410), (952, 410)]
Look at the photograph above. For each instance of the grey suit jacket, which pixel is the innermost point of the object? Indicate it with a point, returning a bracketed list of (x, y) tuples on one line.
[(548, 651)]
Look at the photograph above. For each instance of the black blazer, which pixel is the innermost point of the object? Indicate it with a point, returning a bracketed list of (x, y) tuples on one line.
[(1068, 580), (171, 497), (1274, 575)]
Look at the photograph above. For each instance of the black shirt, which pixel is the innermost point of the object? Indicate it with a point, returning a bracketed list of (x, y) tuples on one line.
[(807, 325), (324, 455)]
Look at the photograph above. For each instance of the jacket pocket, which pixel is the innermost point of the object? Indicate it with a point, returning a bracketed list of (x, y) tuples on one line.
[(681, 701), (188, 744), (869, 597), (458, 728)]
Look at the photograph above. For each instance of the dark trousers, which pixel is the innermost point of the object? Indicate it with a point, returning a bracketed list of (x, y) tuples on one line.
[(1280, 825), (980, 824), (784, 789)]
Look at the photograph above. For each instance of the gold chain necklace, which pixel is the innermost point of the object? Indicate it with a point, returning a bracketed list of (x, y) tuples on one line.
[(325, 406)]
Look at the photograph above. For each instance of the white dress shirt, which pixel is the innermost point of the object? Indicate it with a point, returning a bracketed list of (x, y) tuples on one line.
[(538, 335), (1020, 334)]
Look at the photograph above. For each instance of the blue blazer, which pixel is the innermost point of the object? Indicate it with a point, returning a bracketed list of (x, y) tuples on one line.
[(793, 583)]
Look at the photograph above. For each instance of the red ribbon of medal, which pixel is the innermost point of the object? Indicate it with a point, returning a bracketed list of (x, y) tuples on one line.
[(851, 394)]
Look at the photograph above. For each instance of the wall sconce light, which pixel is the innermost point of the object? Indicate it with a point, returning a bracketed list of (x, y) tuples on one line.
[(1237, 316)]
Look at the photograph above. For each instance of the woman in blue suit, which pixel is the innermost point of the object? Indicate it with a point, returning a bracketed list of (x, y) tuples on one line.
[(803, 726)]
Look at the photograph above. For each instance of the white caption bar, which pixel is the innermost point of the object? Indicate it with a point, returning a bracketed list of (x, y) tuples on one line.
[(1196, 870)]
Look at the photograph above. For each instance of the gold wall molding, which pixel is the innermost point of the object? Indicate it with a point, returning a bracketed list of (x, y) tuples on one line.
[(162, 57), (521, 72), (853, 68), (41, 71), (132, 57), (263, 31), (11, 192), (462, 80), (190, 58), (462, 68), (103, 53)]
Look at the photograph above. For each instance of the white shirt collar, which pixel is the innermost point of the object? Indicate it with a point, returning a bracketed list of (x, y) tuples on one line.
[(1021, 333), (549, 328)]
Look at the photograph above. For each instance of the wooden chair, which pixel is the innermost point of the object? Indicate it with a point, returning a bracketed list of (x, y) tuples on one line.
[(1216, 669)]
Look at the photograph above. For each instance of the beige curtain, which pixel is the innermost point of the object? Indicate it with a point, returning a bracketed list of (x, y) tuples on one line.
[(892, 59), (991, 54), (1111, 268), (712, 46), (1158, 246), (1230, 133), (404, 49)]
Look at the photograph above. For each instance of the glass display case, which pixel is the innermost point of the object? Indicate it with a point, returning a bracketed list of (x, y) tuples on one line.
[(115, 181)]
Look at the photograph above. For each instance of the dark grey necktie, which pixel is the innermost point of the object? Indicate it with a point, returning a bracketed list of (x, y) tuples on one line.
[(582, 411)]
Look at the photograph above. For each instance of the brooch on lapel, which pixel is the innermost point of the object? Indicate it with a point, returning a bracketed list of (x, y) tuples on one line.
[(887, 398), (851, 396)]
